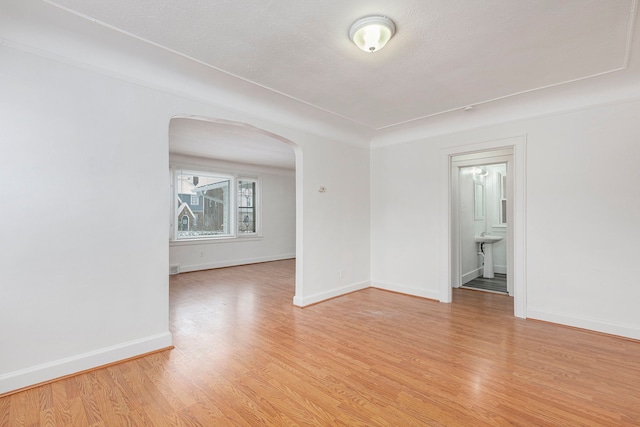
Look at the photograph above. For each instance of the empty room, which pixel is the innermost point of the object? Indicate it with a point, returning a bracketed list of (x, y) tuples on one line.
[(320, 213)]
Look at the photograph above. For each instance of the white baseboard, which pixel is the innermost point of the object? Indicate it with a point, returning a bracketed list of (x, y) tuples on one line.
[(322, 296), (234, 262), (467, 277), (502, 269), (59, 368), (408, 290), (612, 328)]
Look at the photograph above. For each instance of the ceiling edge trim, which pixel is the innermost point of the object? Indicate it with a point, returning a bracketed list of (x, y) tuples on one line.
[(378, 145), (500, 98), (11, 44), (627, 55), (212, 67)]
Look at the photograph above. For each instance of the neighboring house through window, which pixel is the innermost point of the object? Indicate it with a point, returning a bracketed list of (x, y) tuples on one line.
[(205, 208)]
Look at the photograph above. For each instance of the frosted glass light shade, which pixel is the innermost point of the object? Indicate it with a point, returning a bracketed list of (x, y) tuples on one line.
[(372, 32)]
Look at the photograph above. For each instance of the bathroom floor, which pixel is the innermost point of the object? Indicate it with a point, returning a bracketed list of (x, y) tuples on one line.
[(497, 284)]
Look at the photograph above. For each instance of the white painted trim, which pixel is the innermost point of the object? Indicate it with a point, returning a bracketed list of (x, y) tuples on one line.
[(333, 293), (350, 137), (499, 269), (518, 193), (502, 269), (231, 263), (203, 241), (620, 329), (407, 290), (299, 288), (511, 95), (202, 63), (517, 231), (467, 277), (59, 368), (398, 138)]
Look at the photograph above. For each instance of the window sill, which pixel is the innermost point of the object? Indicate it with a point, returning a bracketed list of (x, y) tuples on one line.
[(209, 240)]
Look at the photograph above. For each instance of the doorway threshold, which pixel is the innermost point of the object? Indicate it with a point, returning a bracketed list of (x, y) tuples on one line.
[(497, 284)]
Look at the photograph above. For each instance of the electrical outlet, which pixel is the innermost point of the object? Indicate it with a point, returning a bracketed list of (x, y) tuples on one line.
[(341, 273)]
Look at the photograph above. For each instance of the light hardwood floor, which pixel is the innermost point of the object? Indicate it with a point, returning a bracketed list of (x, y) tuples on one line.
[(244, 356)]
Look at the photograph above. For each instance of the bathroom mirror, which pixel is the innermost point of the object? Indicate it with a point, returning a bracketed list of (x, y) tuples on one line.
[(478, 200)]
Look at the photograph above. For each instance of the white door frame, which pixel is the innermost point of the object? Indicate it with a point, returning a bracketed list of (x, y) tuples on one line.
[(517, 240), (483, 158)]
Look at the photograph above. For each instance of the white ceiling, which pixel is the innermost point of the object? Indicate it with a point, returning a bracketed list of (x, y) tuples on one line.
[(446, 54), (228, 142)]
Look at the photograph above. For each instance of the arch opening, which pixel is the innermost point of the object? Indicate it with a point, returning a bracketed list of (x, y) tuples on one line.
[(242, 151)]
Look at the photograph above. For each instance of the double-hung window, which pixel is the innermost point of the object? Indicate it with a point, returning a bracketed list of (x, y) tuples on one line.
[(210, 205), (247, 206)]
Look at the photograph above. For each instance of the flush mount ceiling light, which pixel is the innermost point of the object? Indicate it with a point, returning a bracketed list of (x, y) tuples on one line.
[(371, 33)]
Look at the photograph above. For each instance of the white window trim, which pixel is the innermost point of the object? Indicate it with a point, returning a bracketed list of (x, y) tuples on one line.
[(258, 206), (233, 236)]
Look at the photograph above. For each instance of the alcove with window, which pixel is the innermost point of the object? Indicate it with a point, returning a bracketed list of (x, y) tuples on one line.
[(232, 193)]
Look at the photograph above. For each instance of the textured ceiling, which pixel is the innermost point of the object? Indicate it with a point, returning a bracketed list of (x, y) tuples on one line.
[(446, 54)]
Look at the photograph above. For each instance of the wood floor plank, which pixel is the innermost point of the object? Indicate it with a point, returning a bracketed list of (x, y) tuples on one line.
[(244, 356), (47, 418), (5, 411)]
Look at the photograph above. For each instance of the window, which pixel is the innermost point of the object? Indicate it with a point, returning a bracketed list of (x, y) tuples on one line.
[(213, 216), (502, 182), (246, 206), (205, 207), (184, 223)]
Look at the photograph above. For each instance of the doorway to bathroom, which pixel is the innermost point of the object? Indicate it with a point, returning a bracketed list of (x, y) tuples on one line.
[(482, 226), (480, 212), (512, 151)]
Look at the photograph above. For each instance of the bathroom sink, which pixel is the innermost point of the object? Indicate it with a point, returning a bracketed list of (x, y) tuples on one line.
[(488, 238), (487, 251)]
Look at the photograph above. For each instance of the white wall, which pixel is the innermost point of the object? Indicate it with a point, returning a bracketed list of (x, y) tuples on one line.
[(336, 222), (85, 254), (582, 210), (278, 237), (470, 227), (404, 219)]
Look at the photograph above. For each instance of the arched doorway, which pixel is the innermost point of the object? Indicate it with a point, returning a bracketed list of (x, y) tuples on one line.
[(237, 160)]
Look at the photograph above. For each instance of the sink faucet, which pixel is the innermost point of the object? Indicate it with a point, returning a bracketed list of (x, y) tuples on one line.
[(484, 233)]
